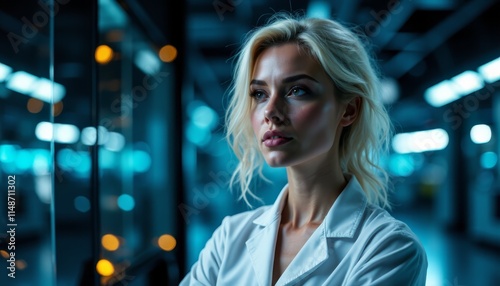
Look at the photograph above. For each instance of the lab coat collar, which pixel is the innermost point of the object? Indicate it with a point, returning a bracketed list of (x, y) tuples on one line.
[(342, 220)]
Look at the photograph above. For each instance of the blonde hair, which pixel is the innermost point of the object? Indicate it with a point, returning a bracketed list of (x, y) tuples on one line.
[(344, 58)]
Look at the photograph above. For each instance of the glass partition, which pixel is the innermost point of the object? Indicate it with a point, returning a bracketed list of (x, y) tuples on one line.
[(86, 118), (135, 94), (28, 100)]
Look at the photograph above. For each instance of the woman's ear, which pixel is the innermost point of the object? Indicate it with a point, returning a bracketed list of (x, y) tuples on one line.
[(351, 112)]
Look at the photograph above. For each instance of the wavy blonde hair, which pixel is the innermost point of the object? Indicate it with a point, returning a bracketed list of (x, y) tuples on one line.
[(347, 62)]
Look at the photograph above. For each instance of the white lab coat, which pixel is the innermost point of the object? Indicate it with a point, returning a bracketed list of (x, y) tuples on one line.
[(356, 244)]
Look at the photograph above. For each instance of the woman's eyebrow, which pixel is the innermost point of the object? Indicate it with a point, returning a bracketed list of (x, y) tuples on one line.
[(258, 82), (298, 77), (286, 80)]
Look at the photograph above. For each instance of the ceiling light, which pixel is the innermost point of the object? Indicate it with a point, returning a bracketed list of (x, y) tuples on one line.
[(467, 82), (420, 141), (480, 134), (441, 94), (48, 91), (4, 71), (490, 71), (22, 82)]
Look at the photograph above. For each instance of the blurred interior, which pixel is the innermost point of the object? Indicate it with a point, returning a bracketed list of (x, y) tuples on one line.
[(112, 121)]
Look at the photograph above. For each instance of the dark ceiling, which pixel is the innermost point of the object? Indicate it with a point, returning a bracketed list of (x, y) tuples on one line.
[(416, 42)]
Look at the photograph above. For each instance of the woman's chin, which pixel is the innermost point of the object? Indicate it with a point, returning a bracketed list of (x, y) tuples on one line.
[(277, 162)]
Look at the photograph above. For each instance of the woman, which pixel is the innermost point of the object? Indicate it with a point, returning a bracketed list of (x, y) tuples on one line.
[(306, 97)]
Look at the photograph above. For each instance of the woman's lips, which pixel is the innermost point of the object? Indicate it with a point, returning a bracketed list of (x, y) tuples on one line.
[(276, 141)]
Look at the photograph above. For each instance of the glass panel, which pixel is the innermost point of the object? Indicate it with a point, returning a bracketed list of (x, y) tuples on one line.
[(26, 201), (135, 93), (73, 35)]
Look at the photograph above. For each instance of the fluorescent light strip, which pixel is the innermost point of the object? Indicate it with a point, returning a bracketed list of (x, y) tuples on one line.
[(420, 141), (4, 71), (467, 82), (462, 84), (441, 94), (61, 133), (22, 82), (490, 71), (46, 90), (39, 88)]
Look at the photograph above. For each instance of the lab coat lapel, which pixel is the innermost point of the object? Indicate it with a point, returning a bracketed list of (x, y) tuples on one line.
[(311, 256), (261, 246), (261, 250)]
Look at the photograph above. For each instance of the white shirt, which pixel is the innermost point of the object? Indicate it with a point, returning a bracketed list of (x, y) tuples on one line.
[(356, 244)]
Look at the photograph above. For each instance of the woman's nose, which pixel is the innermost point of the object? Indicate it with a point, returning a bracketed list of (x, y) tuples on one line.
[(274, 112)]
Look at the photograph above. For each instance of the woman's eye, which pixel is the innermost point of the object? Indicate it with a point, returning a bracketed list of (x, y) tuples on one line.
[(258, 95), (298, 91)]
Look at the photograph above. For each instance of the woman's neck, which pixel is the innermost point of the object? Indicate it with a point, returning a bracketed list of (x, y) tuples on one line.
[(311, 193)]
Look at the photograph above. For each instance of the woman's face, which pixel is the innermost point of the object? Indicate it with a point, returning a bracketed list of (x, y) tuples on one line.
[(295, 112)]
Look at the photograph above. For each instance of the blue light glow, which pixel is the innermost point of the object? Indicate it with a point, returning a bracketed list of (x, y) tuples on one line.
[(480, 134), (147, 61), (4, 71), (114, 142), (82, 204), (48, 91), (198, 136), (8, 153), (24, 160), (204, 117), (41, 162), (420, 141), (490, 71), (319, 9), (467, 82), (126, 202), (22, 82), (142, 161), (489, 160), (401, 165), (85, 164), (441, 94), (61, 133)]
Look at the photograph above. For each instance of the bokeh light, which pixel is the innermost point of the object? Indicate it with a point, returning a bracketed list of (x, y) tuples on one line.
[(168, 53), (34, 105), (82, 204), (110, 242), (57, 108), (103, 54), (167, 242), (105, 268), (489, 160), (126, 202)]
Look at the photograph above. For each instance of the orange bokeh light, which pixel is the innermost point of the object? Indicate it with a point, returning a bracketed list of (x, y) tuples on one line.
[(168, 53), (103, 54), (167, 242)]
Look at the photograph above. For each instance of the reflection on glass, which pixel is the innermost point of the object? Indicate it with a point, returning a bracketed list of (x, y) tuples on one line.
[(137, 207), (26, 92)]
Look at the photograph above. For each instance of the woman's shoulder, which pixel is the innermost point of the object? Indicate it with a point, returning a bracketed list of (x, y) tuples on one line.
[(379, 222)]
